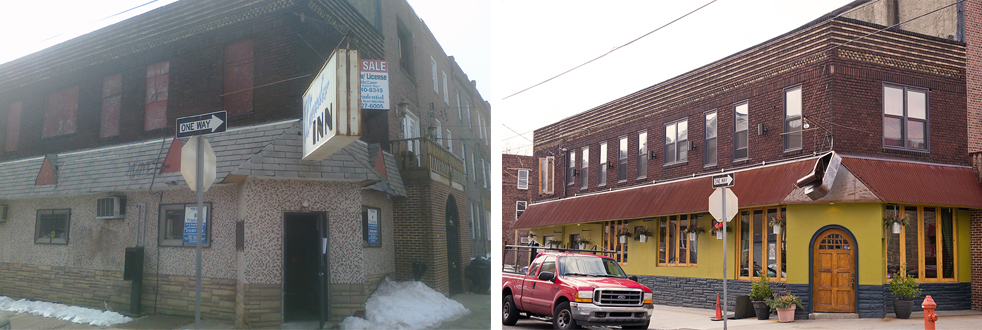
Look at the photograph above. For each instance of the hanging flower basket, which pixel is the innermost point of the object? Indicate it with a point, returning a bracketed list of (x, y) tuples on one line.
[(624, 235), (778, 225), (719, 234), (643, 233), (692, 236), (895, 222), (693, 232), (777, 230), (718, 230), (896, 228)]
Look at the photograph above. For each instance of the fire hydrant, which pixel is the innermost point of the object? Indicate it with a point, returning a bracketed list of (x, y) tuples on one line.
[(929, 316)]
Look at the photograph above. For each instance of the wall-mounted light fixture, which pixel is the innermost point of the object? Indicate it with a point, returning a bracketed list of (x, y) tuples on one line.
[(761, 130), (652, 154), (692, 145)]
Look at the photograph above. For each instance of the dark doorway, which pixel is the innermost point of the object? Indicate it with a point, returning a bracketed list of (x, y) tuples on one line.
[(302, 263), (453, 246)]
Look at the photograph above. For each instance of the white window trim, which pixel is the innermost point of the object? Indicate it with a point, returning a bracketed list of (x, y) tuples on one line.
[(436, 82), (602, 165), (520, 207), (679, 143), (521, 174)]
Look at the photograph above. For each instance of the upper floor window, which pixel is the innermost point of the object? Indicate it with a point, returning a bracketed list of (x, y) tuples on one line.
[(470, 124), (546, 175), (677, 142), (520, 208), (439, 132), (112, 91), (523, 179), (792, 118), (585, 168), (436, 83), (622, 159), (602, 167), (405, 48), (740, 125), (446, 89), (60, 110), (709, 145), (449, 141), (641, 162), (905, 117), (570, 167), (460, 115), (155, 110), (238, 77), (13, 126)]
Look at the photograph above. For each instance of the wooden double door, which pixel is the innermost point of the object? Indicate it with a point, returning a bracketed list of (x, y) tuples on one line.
[(834, 272)]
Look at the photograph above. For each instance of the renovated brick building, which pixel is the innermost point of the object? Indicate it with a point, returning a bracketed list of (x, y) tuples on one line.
[(90, 168), (973, 70), (518, 179), (829, 130)]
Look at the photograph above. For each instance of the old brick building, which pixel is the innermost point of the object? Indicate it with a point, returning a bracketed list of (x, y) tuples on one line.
[(518, 179), (829, 130), (89, 166)]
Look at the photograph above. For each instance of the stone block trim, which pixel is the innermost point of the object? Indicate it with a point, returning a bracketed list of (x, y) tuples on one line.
[(698, 292), (174, 295), (871, 302), (261, 307), (948, 296), (71, 286)]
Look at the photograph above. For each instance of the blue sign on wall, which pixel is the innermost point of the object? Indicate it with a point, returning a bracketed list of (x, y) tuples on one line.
[(372, 226), (191, 225)]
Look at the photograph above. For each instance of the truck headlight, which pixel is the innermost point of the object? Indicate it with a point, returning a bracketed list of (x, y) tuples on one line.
[(584, 296), (648, 297)]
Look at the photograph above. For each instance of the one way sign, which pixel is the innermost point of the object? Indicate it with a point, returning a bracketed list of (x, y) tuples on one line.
[(202, 124), (723, 180)]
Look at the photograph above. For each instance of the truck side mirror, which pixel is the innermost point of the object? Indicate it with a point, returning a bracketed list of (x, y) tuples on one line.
[(633, 278), (546, 276)]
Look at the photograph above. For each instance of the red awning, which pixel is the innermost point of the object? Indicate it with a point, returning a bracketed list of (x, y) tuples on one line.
[(766, 185), (898, 181)]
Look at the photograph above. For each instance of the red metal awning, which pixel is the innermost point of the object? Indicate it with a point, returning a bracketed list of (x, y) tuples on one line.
[(754, 187), (897, 181)]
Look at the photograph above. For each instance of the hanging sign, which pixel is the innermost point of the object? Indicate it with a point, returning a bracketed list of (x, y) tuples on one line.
[(374, 85), (331, 111)]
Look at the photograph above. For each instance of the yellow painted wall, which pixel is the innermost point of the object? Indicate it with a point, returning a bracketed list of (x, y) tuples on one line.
[(864, 220)]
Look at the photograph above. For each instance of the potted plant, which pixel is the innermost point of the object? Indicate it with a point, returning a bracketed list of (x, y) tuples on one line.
[(584, 242), (785, 306), (778, 225), (693, 232), (895, 221), (554, 243), (643, 234), (904, 290), (624, 235), (760, 291), (718, 230)]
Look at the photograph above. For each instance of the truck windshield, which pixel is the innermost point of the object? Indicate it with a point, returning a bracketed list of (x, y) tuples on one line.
[(590, 266)]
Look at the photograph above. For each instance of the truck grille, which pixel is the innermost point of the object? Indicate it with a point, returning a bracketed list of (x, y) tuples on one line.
[(619, 297)]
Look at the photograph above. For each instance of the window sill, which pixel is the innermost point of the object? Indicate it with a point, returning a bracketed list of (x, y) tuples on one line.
[(678, 265), (676, 164), (708, 166), (58, 137), (905, 151), (793, 152), (741, 161)]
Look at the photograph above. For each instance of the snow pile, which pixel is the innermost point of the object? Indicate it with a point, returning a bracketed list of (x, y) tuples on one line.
[(405, 305), (72, 314)]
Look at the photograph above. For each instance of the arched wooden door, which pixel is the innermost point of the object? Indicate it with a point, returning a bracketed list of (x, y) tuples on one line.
[(834, 272)]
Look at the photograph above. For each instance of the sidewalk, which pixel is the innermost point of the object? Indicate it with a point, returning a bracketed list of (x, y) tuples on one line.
[(681, 318), (478, 304)]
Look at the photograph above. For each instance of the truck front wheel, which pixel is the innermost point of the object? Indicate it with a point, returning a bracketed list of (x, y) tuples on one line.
[(509, 314), (562, 319)]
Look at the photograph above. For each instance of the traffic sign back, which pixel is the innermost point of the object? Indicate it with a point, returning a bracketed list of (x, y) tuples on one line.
[(716, 204)]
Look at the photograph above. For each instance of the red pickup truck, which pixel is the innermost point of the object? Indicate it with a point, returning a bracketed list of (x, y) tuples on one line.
[(576, 289)]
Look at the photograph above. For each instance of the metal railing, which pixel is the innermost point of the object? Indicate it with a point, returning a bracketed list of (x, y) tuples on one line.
[(422, 153)]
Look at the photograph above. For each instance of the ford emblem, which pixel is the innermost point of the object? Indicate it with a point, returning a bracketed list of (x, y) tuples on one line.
[(621, 297)]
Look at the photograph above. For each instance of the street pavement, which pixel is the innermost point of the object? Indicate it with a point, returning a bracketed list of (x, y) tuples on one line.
[(478, 304), (682, 318)]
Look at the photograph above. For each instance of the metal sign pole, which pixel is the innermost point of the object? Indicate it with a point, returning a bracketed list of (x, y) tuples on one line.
[(726, 307), (201, 207)]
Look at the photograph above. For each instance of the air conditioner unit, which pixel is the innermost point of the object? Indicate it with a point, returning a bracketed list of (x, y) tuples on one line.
[(110, 208)]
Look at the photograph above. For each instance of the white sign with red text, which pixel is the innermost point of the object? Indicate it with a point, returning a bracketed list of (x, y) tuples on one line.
[(374, 85)]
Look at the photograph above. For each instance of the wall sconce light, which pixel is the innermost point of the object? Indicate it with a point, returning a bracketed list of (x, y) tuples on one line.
[(652, 154), (761, 130), (692, 145), (610, 165)]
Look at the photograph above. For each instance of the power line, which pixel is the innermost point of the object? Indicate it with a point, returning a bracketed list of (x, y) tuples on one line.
[(509, 128), (610, 51)]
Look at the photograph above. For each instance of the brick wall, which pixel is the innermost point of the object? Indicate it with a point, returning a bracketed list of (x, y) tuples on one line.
[(975, 230), (973, 71)]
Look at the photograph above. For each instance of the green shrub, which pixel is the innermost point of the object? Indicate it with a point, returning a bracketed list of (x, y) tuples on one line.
[(760, 289), (904, 287), (783, 302)]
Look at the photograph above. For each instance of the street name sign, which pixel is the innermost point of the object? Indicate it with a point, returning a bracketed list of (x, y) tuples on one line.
[(723, 180), (716, 204), (208, 123)]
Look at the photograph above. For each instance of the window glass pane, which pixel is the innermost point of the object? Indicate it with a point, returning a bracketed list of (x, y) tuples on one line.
[(930, 244), (670, 134), (893, 245), (741, 117), (947, 243), (792, 102), (910, 239), (759, 249), (683, 239), (792, 140), (891, 132), (893, 101), (916, 102), (585, 168), (174, 224), (784, 245), (669, 153), (662, 231), (711, 125), (915, 134), (710, 151), (683, 129), (693, 244), (673, 227), (771, 249), (602, 173), (622, 152), (744, 243), (740, 149)]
